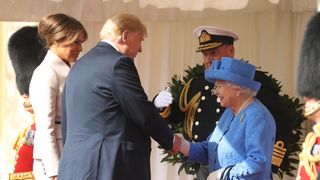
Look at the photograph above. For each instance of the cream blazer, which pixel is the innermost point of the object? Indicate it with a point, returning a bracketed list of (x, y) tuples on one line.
[(45, 94)]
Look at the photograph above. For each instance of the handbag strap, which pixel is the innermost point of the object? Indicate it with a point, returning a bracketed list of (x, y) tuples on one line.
[(226, 172)]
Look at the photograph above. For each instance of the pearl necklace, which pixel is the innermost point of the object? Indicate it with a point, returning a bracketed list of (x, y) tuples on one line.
[(243, 105)]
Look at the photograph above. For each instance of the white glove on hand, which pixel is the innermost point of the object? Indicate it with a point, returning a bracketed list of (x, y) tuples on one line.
[(164, 99)]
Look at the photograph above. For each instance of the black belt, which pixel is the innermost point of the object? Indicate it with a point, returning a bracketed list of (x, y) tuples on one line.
[(57, 122)]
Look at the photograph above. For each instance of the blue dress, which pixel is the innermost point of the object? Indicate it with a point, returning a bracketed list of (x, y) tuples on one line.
[(244, 141)]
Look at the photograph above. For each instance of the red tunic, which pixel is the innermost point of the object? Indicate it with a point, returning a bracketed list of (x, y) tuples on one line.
[(24, 160), (24, 157)]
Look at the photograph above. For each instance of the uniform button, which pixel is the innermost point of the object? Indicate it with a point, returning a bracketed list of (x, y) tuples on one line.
[(218, 99), (196, 123), (195, 136), (217, 122), (203, 98), (217, 110), (199, 110), (206, 87)]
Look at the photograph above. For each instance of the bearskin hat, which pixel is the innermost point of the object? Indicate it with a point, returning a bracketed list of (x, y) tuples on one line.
[(309, 65), (26, 52)]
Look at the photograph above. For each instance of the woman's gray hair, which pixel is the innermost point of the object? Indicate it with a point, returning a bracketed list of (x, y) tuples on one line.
[(243, 89)]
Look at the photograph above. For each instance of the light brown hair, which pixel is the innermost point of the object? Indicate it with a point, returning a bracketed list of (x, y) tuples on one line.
[(57, 28)]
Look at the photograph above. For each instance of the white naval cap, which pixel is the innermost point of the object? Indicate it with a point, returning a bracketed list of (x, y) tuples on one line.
[(212, 37)]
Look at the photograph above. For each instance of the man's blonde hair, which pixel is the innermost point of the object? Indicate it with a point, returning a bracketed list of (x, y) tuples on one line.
[(116, 25)]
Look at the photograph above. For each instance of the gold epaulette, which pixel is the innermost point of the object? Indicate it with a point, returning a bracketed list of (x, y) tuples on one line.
[(20, 139), (307, 160)]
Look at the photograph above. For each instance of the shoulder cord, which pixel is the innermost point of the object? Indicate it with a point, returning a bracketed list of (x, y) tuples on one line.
[(166, 112), (189, 107)]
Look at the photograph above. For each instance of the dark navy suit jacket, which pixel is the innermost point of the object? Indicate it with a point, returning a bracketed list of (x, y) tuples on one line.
[(107, 120)]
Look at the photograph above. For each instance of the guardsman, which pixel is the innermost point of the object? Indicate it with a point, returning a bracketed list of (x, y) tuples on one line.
[(309, 88), (26, 52)]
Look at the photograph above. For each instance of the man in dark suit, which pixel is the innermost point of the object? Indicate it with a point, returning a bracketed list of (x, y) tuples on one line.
[(107, 120)]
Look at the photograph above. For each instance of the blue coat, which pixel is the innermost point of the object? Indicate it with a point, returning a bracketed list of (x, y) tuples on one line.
[(244, 141), (107, 120)]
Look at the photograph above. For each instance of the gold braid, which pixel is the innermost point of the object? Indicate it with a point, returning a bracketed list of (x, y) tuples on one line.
[(166, 112), (308, 160), (189, 107)]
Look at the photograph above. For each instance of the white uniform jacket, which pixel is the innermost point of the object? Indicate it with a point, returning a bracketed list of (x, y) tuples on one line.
[(45, 93)]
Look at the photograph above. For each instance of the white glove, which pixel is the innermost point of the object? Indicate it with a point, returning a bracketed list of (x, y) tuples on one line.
[(184, 146), (164, 99)]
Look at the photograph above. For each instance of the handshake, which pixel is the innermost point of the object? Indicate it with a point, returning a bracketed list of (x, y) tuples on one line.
[(163, 99), (180, 144)]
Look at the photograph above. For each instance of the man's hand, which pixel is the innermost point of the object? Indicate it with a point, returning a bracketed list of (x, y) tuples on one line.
[(53, 177), (175, 145), (164, 99), (184, 146)]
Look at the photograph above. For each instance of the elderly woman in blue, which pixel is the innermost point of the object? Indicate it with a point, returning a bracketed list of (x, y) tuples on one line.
[(241, 145)]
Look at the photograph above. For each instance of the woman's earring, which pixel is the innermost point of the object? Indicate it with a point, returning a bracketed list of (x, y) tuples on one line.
[(213, 89)]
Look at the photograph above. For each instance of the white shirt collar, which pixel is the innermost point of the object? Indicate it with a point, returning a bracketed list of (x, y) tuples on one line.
[(111, 43)]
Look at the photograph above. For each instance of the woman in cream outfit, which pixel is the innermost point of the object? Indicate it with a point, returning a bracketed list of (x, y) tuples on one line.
[(63, 36)]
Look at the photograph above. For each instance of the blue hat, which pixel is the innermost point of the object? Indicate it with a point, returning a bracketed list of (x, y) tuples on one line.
[(233, 70)]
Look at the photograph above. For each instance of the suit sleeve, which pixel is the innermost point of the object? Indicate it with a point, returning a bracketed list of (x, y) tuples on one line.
[(134, 103)]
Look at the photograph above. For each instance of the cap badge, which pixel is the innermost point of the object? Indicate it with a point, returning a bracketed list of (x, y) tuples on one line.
[(204, 37)]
